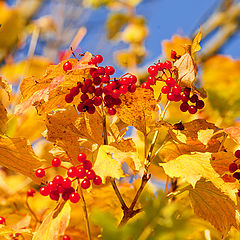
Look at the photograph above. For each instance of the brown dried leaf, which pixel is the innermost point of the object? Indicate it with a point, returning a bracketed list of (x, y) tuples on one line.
[(138, 109)]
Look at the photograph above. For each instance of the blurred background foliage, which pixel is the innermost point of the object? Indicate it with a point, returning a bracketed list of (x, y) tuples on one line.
[(131, 35)]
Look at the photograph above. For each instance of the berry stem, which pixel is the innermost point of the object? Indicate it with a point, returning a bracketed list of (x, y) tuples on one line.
[(84, 207), (31, 211)]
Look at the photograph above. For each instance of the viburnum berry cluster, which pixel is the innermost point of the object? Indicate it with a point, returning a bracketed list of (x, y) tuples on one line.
[(63, 187), (100, 88), (234, 167), (168, 74)]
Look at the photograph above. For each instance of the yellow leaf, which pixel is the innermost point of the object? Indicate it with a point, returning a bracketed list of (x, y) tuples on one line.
[(138, 109), (17, 155), (212, 205), (6, 86), (234, 133), (106, 165), (3, 118), (55, 223), (195, 47), (194, 167)]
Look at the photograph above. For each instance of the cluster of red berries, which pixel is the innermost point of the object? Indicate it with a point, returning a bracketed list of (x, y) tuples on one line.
[(100, 88), (233, 167), (172, 88), (60, 186)]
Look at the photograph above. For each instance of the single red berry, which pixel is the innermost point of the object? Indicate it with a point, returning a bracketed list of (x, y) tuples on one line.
[(173, 54), (176, 89), (69, 98), (101, 70), (160, 66), (74, 91), (56, 162), (184, 97), (85, 184), (112, 111), (170, 82), (91, 109), (44, 191), (54, 195), (88, 82), (67, 66), (194, 98), (81, 173), (84, 89), (30, 192), (91, 175), (165, 89), (109, 70), (177, 98), (236, 175), (123, 81), (187, 91), (74, 197), (192, 109), (116, 93), (112, 84), (72, 172), (97, 81), (91, 89), (97, 101), (88, 102), (40, 173), (80, 107), (60, 189), (153, 70), (66, 183), (151, 80), (132, 88), (81, 157), (87, 165), (58, 179), (200, 104), (237, 154), (66, 237), (97, 180), (117, 101), (84, 97), (2, 220), (132, 78), (170, 96), (232, 167), (98, 58), (167, 64), (184, 107), (105, 78), (123, 89), (107, 90), (98, 91), (52, 186), (146, 85)]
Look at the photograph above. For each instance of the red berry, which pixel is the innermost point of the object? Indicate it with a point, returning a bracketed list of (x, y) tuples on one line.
[(151, 80), (81, 173), (101, 70), (123, 81), (132, 88), (170, 96), (74, 91), (91, 109), (97, 81), (176, 89), (85, 184), (66, 183), (91, 89), (40, 172), (44, 191), (237, 154), (105, 78), (88, 82), (112, 84), (232, 167), (107, 90), (165, 89), (2, 220), (184, 107), (117, 101), (56, 162), (192, 109), (84, 97), (173, 54), (81, 157), (160, 66), (153, 71), (72, 172), (87, 165), (69, 98), (116, 93), (194, 98), (184, 97), (167, 64), (112, 111), (236, 175), (52, 186), (132, 78), (98, 58), (97, 180), (66, 237), (80, 107), (67, 66), (177, 98), (200, 104), (84, 89), (30, 192), (187, 91), (74, 197), (98, 91), (123, 89), (109, 70), (170, 82), (58, 179), (54, 195), (97, 101), (146, 85), (91, 175)]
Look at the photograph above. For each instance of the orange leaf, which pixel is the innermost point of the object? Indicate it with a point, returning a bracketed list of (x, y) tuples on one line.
[(234, 133)]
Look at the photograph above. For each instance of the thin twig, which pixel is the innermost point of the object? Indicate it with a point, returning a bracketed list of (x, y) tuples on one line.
[(84, 206)]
